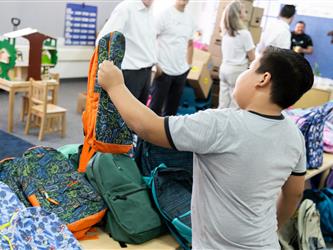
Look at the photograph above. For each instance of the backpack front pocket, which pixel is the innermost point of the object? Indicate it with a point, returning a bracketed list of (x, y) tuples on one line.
[(131, 208)]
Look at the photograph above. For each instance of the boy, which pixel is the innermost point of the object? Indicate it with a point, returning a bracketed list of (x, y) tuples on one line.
[(244, 160)]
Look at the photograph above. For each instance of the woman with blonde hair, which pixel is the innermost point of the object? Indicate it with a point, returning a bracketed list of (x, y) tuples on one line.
[(238, 51)]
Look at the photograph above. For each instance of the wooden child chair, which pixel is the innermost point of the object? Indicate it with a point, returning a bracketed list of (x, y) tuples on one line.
[(51, 117), (52, 96)]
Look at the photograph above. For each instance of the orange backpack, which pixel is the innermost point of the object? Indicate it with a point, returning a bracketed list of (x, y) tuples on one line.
[(104, 129)]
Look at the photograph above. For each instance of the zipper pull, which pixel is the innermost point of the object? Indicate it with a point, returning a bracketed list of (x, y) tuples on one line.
[(50, 199), (119, 197)]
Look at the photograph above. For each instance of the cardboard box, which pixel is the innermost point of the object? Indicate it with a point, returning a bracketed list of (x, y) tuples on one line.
[(199, 76), (314, 97), (256, 34), (216, 35), (248, 10), (215, 50), (81, 103), (217, 31), (216, 39), (216, 60), (256, 17), (201, 56), (219, 13)]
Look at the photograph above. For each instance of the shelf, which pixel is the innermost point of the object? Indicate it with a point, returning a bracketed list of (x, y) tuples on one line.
[(49, 48), (47, 65), (327, 164)]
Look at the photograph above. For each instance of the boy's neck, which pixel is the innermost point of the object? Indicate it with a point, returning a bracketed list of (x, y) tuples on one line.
[(271, 110)]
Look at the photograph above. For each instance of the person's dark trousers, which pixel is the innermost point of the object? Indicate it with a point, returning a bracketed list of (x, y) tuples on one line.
[(138, 82), (166, 92)]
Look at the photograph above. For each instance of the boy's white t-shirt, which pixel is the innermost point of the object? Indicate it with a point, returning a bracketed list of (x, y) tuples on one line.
[(234, 48), (241, 161)]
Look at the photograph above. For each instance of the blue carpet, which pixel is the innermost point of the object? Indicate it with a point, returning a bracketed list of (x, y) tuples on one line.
[(12, 146)]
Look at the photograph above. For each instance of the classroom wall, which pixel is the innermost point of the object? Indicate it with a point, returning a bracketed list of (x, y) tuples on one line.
[(46, 16)]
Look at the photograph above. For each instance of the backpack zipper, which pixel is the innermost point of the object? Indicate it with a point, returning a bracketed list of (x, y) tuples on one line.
[(124, 196)]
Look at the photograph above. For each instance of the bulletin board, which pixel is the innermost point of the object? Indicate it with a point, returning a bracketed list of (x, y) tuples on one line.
[(80, 24)]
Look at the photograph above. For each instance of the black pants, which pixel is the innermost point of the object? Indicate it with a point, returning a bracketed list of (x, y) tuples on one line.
[(166, 92), (138, 82)]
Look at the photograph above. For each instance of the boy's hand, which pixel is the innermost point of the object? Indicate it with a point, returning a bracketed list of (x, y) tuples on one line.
[(109, 76)]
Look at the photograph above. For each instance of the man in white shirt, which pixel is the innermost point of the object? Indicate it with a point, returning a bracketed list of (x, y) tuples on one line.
[(278, 34), (175, 30), (135, 20)]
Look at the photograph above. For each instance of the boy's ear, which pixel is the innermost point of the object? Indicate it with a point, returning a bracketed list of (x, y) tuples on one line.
[(264, 79)]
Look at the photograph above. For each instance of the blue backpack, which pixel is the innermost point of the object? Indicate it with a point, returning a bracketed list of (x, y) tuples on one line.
[(172, 190), (149, 156), (32, 227)]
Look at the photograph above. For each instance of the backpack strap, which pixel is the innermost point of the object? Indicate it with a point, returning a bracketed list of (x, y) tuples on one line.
[(88, 149), (8, 224)]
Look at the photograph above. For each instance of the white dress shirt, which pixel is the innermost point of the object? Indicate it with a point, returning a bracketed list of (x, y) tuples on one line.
[(276, 34), (136, 22), (174, 30)]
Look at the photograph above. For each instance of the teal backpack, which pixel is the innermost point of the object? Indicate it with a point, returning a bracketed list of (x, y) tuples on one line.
[(131, 217), (172, 192)]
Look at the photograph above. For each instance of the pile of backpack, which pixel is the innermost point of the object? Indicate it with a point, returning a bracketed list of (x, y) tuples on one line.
[(147, 199), (50, 196), (48, 189), (136, 203), (142, 202)]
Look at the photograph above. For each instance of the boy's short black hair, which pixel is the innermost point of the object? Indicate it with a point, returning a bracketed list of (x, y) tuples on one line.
[(288, 11), (291, 75)]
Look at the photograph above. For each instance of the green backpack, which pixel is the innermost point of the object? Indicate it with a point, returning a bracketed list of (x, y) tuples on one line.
[(131, 217)]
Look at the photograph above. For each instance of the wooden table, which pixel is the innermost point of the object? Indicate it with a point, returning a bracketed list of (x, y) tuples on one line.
[(324, 169), (13, 87), (164, 242)]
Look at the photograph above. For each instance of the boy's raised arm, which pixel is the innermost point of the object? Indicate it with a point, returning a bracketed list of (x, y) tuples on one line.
[(137, 116)]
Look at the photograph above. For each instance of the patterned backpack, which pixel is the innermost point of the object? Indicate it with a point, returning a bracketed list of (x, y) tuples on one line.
[(149, 156), (9, 174), (50, 181), (32, 227), (172, 190), (104, 129), (312, 125)]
